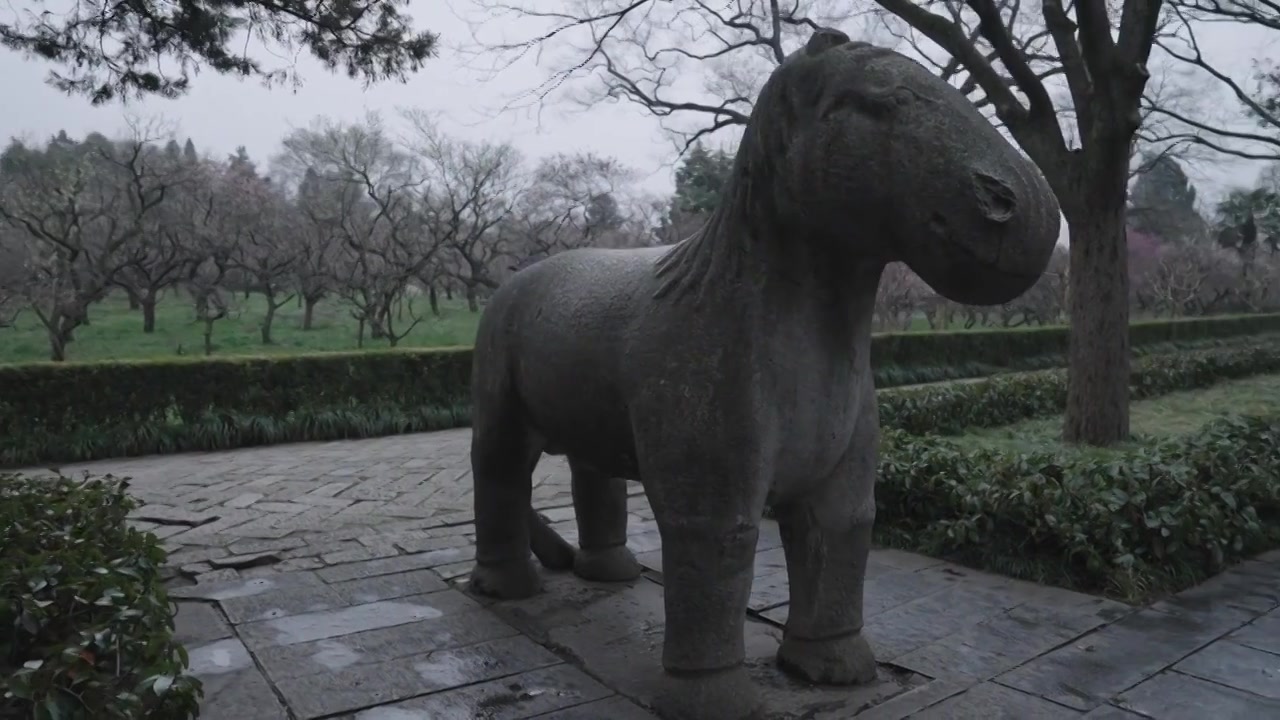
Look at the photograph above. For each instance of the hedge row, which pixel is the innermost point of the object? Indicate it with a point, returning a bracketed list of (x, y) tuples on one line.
[(88, 627), (1132, 525), (70, 412), (949, 409), (55, 412), (1001, 348)]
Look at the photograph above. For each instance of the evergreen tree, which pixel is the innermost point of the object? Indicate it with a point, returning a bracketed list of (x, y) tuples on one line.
[(104, 55), (699, 180), (1162, 203)]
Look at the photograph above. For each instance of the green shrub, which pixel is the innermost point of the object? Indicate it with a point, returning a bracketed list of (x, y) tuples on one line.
[(1155, 519), (1001, 400), (87, 624)]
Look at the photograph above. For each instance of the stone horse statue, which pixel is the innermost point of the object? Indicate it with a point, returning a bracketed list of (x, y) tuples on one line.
[(732, 369)]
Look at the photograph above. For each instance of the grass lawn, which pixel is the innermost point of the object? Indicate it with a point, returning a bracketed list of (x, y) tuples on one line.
[(115, 331), (1158, 418)]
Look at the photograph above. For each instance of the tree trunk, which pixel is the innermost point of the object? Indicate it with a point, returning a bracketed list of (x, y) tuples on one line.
[(472, 304), (208, 337), (268, 319), (134, 301), (360, 335), (57, 347), (448, 292), (148, 313), (434, 297), (1098, 360), (309, 312)]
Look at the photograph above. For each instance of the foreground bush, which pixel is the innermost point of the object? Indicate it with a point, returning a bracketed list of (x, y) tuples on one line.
[(1001, 400), (87, 625), (1160, 518)]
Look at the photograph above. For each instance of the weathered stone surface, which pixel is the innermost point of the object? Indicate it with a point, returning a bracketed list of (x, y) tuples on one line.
[(400, 563), (241, 562), (233, 687), (389, 587), (308, 627), (913, 625), (362, 686), (1237, 666), (198, 623), (168, 515), (1094, 667), (990, 701), (245, 587), (1111, 712), (1261, 634), (456, 628), (986, 649), (616, 630), (523, 696), (1174, 696), (241, 695), (614, 708), (281, 602), (218, 658), (916, 699), (1235, 588)]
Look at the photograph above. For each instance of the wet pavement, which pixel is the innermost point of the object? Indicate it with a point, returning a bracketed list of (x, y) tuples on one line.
[(379, 640), (322, 580)]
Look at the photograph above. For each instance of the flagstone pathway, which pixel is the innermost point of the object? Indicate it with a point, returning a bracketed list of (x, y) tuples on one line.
[(324, 581)]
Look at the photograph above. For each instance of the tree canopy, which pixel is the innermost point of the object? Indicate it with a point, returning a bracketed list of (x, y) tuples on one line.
[(145, 47)]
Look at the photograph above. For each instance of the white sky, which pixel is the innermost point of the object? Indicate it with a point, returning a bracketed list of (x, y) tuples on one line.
[(221, 113)]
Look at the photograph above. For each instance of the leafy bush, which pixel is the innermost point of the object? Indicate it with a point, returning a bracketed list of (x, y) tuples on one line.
[(1158, 518), (88, 625), (1001, 400)]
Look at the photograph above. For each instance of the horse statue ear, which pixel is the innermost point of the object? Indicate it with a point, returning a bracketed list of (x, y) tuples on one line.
[(823, 40)]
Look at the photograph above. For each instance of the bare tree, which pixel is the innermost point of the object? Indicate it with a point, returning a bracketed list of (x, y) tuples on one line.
[(471, 191), (386, 240), (157, 258), (1046, 302), (79, 206), (644, 53), (263, 255), (570, 201), (317, 242), (898, 298)]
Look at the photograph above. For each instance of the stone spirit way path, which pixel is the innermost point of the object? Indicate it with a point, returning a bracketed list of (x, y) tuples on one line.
[(321, 581)]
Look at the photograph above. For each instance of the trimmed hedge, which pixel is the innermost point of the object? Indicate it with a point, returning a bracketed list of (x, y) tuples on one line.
[(70, 412), (88, 627), (84, 411), (1135, 524), (1001, 400), (1007, 347)]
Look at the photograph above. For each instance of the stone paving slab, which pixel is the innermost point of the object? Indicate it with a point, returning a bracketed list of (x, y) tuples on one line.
[(327, 575)]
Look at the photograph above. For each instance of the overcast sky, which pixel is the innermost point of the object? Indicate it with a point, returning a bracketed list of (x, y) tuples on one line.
[(221, 113)]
